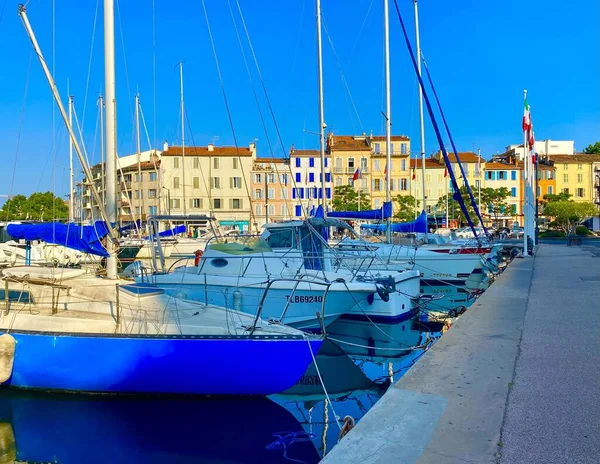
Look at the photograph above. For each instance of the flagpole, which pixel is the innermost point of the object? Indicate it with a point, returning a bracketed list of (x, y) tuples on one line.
[(447, 223), (525, 185), (479, 176), (388, 122)]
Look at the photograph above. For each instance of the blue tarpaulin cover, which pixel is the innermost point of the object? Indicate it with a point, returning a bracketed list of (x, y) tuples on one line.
[(374, 214), (82, 238), (174, 231), (419, 225)]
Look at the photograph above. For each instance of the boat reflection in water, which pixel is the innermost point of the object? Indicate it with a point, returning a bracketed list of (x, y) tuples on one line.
[(73, 429), (357, 364), (450, 299)]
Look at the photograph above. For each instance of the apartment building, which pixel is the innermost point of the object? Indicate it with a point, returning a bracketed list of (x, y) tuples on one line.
[(399, 169), (271, 186), (500, 174), (577, 176), (209, 180), (542, 148), (436, 185), (307, 187)]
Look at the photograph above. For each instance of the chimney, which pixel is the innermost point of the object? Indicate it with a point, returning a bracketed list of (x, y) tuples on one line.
[(165, 146), (210, 147), (252, 147)]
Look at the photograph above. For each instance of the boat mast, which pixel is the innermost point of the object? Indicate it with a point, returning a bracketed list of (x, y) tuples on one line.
[(102, 153), (388, 122), (71, 198), (139, 154), (321, 109), (86, 169), (182, 135), (421, 120)]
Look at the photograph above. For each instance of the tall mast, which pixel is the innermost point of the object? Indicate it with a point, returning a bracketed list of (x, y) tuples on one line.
[(111, 130), (321, 109), (388, 121), (182, 135), (479, 181), (102, 153), (71, 197), (421, 121), (139, 155)]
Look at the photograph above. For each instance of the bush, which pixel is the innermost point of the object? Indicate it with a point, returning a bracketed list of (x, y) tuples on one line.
[(552, 233), (582, 230)]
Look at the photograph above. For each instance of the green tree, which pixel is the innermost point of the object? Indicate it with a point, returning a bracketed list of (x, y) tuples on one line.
[(38, 207), (14, 208), (406, 207), (345, 198), (562, 196), (493, 201), (593, 149), (567, 214)]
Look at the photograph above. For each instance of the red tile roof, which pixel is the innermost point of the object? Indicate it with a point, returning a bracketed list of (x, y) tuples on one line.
[(429, 163), (204, 151), (144, 166), (347, 142), (465, 157), (305, 153), (578, 158), (495, 166), (395, 138), (272, 160)]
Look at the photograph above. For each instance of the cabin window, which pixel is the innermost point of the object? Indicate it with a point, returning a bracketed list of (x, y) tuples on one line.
[(219, 262), (281, 238)]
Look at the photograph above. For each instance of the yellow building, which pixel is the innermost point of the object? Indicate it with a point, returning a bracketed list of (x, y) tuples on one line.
[(575, 175), (367, 154)]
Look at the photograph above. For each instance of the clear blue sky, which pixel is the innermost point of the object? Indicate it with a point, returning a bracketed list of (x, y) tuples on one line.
[(482, 55)]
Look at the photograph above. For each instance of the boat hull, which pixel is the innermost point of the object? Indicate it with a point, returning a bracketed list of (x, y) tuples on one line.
[(220, 365)]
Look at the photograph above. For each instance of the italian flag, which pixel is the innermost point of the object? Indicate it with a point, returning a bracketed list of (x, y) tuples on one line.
[(526, 117)]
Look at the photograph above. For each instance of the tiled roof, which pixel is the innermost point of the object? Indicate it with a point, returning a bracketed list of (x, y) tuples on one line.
[(578, 158), (429, 164), (144, 166), (495, 166), (395, 138), (347, 142), (305, 153), (203, 151), (272, 160), (465, 157)]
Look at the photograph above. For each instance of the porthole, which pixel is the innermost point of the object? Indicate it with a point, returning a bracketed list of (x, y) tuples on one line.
[(219, 262)]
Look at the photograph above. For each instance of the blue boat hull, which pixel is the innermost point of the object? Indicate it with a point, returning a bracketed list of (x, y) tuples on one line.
[(227, 365)]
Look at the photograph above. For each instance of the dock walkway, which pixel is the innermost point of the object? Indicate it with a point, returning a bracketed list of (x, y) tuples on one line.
[(515, 380)]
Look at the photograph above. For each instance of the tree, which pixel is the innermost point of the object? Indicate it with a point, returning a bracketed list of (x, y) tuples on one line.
[(592, 149), (562, 196), (37, 207), (345, 198), (406, 207), (496, 201), (567, 214), (492, 200)]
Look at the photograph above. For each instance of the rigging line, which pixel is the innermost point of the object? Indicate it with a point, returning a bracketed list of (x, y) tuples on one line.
[(154, 73), (262, 119), (131, 112), (291, 174), (252, 216), (79, 130), (21, 118), (149, 143), (87, 81), (367, 16), (342, 75)]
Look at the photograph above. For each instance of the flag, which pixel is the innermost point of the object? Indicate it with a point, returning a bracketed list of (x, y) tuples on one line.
[(526, 117), (356, 175), (445, 172), (385, 172), (414, 174), (534, 156)]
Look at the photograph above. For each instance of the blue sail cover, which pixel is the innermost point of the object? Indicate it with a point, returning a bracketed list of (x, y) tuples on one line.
[(418, 226), (174, 231), (83, 238), (373, 215)]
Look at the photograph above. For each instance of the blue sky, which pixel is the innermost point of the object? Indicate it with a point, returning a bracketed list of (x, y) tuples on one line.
[(482, 55)]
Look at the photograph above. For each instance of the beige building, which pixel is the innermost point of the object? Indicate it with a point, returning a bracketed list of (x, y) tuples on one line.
[(271, 187), (209, 180), (577, 176), (306, 189)]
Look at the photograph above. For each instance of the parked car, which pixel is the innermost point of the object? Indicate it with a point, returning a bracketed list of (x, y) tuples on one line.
[(517, 232)]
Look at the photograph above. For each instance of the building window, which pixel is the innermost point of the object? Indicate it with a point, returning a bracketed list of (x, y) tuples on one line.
[(350, 181), (427, 193), (258, 194), (152, 193), (271, 178), (216, 203), (196, 182), (216, 182), (377, 148), (328, 193), (338, 164), (176, 162), (392, 184), (298, 177), (579, 178), (271, 210), (284, 194), (271, 193), (196, 162), (235, 182), (258, 210), (152, 210), (235, 163), (477, 183), (566, 190), (152, 176), (216, 163), (327, 177), (391, 148), (565, 166), (258, 178), (439, 177), (502, 175), (513, 192), (137, 210), (428, 178), (301, 193), (298, 210), (377, 185), (196, 203), (403, 184), (311, 177), (284, 210), (236, 203), (513, 175), (139, 177), (138, 194), (311, 162), (440, 193), (580, 193), (579, 167), (403, 148), (489, 175), (377, 203), (550, 190), (566, 178), (175, 203), (377, 166), (298, 162), (403, 165), (338, 181), (364, 164), (176, 182), (351, 163)]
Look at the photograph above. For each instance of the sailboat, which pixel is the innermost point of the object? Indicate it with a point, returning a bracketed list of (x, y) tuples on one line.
[(67, 329)]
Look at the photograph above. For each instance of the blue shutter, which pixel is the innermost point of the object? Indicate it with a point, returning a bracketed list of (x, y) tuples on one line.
[(326, 162), (513, 175), (298, 177), (315, 192), (311, 176), (298, 161), (327, 177), (328, 192), (311, 162), (493, 175), (513, 191), (301, 192), (298, 210), (293, 193)]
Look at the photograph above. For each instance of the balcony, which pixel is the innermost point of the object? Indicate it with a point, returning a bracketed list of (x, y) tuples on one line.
[(125, 185)]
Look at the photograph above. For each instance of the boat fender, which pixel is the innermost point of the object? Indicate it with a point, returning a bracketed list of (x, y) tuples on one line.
[(7, 356), (348, 425), (237, 300), (197, 255), (382, 292)]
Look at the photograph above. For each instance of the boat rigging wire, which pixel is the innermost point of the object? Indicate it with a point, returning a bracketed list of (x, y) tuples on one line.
[(129, 95), (89, 73)]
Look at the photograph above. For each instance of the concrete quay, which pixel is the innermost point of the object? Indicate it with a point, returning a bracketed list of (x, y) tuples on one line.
[(515, 380)]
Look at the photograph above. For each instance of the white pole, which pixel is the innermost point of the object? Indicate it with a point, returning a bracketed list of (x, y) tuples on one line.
[(479, 176), (526, 188), (321, 107), (139, 156), (182, 136), (111, 130), (388, 116), (447, 202), (421, 120), (71, 192), (102, 154)]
